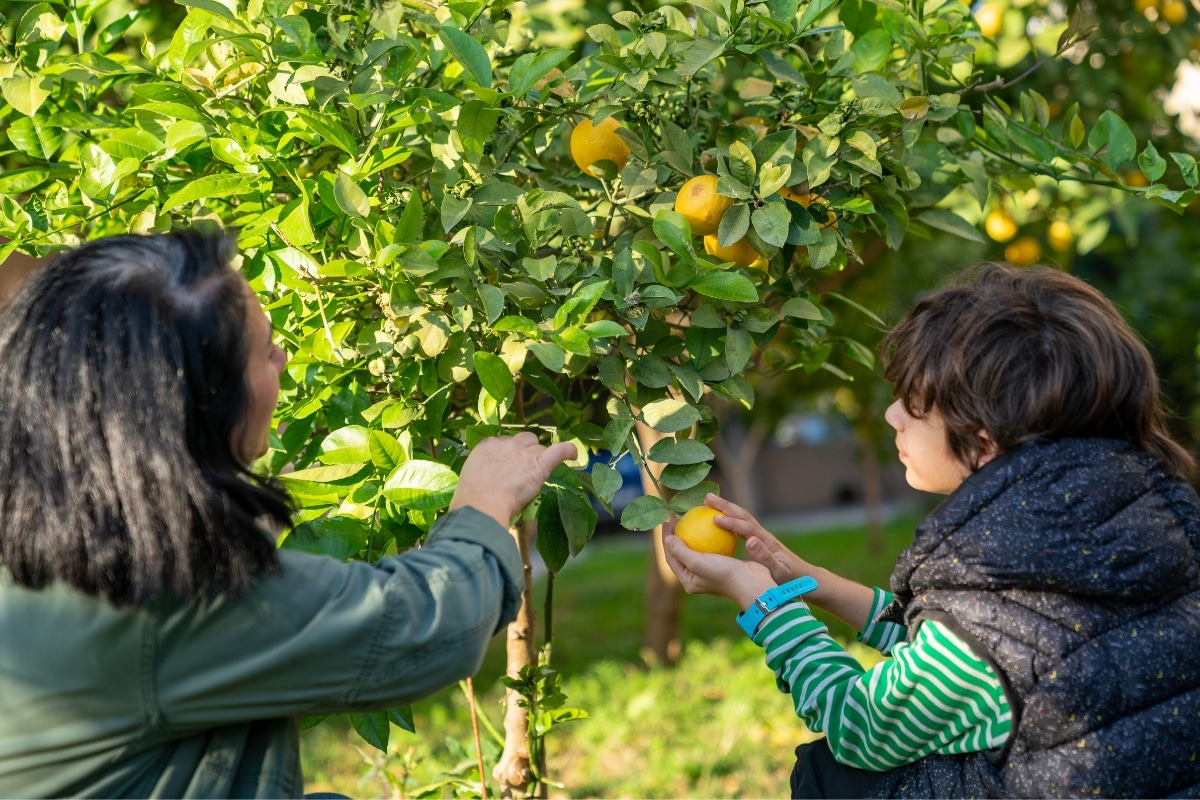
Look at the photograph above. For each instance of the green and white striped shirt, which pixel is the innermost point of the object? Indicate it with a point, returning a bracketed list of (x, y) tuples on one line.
[(934, 695)]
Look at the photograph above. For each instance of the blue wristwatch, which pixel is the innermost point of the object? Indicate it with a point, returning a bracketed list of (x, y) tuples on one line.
[(772, 599)]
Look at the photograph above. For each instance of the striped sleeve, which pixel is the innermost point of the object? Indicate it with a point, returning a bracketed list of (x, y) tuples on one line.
[(933, 696), (881, 636)]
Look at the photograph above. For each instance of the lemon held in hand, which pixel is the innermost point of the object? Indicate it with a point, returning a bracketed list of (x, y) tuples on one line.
[(591, 143), (700, 533), (699, 203)]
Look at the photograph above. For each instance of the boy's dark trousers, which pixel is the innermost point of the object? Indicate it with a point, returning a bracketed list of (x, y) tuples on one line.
[(818, 774)]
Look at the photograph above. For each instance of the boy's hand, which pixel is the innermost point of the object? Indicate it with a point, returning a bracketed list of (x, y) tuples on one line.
[(503, 473), (708, 573), (761, 544)]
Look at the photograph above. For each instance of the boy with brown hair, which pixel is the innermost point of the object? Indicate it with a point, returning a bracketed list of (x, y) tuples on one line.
[(1043, 626)]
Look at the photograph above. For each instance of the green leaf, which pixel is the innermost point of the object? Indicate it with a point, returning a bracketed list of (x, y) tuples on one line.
[(348, 445), (402, 716), (329, 129), (674, 231), (801, 308), (668, 416), (337, 537), (551, 538), (553, 357), (1187, 167), (604, 329), (948, 221), (476, 121), (725, 285), (1151, 163), (771, 222), (494, 375), (421, 485), (680, 451), (387, 452), (683, 476), (734, 224), (211, 186), (644, 513), (372, 727), (349, 197), (742, 165), (27, 94), (213, 7), (606, 481), (739, 346), (467, 51), (1112, 132), (530, 68), (295, 225)]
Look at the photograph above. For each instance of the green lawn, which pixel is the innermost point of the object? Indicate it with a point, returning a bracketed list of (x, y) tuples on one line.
[(715, 726)]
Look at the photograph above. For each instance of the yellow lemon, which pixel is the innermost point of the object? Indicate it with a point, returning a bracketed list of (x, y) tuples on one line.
[(740, 252), (1059, 235), (1174, 12), (806, 200), (591, 143), (1000, 226), (700, 204), (1135, 177), (990, 17), (700, 533), (1024, 251)]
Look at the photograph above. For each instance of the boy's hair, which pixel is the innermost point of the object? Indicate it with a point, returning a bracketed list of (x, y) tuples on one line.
[(123, 382), (1020, 353)]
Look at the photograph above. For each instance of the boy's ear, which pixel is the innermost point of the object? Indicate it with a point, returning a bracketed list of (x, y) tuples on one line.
[(987, 448)]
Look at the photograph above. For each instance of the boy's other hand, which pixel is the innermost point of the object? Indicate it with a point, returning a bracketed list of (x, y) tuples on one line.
[(761, 544), (709, 573)]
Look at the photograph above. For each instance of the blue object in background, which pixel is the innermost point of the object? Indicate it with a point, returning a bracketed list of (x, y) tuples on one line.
[(631, 484)]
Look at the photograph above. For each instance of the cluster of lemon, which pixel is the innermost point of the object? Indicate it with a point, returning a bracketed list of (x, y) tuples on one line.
[(1173, 12), (698, 200), (1025, 250)]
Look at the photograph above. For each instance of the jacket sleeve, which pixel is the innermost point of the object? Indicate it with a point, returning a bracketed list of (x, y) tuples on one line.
[(319, 636)]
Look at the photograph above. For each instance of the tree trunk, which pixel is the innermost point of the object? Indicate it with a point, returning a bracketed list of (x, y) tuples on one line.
[(512, 771), (872, 478), (663, 594), (737, 469)]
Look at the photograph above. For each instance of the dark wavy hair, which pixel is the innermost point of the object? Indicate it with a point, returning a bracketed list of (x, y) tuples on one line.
[(1020, 353), (122, 384)]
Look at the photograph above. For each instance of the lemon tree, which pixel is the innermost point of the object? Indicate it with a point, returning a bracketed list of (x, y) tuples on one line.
[(464, 219)]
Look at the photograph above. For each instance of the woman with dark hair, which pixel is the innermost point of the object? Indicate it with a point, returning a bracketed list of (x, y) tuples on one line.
[(1044, 625), (156, 644)]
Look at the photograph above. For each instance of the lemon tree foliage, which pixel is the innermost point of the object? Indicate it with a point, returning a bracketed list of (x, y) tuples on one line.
[(461, 217)]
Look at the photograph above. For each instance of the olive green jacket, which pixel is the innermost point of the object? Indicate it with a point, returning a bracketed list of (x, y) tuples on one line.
[(202, 699)]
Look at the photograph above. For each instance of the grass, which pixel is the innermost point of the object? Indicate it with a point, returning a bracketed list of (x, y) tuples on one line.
[(714, 726)]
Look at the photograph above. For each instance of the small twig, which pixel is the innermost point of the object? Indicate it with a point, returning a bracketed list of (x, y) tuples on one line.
[(470, 690)]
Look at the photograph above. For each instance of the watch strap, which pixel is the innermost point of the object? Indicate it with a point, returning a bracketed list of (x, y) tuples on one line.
[(771, 599)]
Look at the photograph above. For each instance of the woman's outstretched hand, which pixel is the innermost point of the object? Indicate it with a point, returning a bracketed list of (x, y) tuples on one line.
[(761, 544), (503, 473), (709, 573)]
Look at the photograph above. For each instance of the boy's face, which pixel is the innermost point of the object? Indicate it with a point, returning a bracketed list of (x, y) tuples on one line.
[(931, 467)]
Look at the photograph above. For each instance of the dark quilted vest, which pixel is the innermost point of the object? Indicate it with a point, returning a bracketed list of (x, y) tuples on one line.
[(1072, 566)]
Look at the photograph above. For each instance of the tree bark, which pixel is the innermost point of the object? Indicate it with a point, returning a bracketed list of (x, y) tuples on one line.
[(512, 771), (663, 593), (872, 478), (13, 272), (737, 469)]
